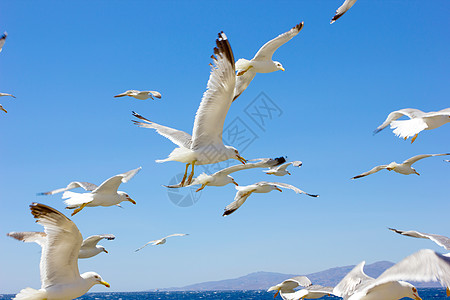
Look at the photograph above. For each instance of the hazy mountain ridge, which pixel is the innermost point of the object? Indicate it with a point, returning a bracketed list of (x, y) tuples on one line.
[(264, 280)]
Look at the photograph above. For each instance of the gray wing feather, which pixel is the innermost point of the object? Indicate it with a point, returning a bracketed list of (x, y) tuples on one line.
[(441, 240), (74, 184), (409, 112), (350, 283), (374, 170)]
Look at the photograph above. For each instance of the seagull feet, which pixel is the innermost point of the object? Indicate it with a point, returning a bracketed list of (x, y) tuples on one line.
[(414, 138), (189, 181), (78, 209), (202, 187), (185, 175)]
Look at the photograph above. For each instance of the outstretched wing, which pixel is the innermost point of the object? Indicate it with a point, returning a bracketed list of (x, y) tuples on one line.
[(176, 234), (151, 242), (29, 237), (266, 52), (242, 82), (442, 112), (289, 186), (262, 163), (216, 101), (374, 170), (239, 199), (413, 159), (342, 10), (441, 240), (296, 281), (111, 185), (355, 278), (154, 94), (73, 185), (59, 258), (177, 137), (92, 241), (409, 112)]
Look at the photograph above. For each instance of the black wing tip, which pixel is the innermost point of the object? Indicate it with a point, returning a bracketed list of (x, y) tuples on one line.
[(299, 26), (223, 48), (39, 210), (312, 195), (228, 212), (376, 131), (42, 194), (334, 19), (4, 35), (280, 160)]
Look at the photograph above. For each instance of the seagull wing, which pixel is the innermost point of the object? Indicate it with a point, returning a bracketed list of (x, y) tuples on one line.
[(283, 167), (443, 112), (413, 159), (441, 240), (409, 112), (29, 237), (176, 234), (342, 10), (177, 137), (6, 94), (239, 199), (262, 163), (216, 101), (111, 185), (296, 281), (350, 283), (266, 52), (243, 81), (154, 94), (424, 265), (289, 186), (374, 170), (92, 241), (73, 185), (59, 258), (2, 40), (151, 242)]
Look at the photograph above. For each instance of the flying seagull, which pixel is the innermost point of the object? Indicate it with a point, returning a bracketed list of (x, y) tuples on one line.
[(59, 259), (441, 240), (222, 177), (161, 241), (262, 61), (418, 121), (89, 247), (104, 195), (281, 170), (424, 265), (404, 168), (342, 10), (243, 192), (310, 291), (141, 95), (205, 146)]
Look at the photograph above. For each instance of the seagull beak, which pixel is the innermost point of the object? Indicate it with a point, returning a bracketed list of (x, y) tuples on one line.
[(288, 173), (131, 200), (104, 250), (278, 189), (3, 109), (282, 69), (241, 159), (416, 173), (416, 297), (120, 95), (235, 183), (107, 284)]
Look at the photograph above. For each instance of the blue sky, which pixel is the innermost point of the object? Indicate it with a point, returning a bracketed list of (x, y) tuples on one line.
[(64, 61)]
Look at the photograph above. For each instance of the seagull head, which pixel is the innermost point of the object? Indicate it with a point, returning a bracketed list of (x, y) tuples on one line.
[(231, 180), (94, 278), (124, 197), (234, 154), (411, 290), (102, 249), (279, 66)]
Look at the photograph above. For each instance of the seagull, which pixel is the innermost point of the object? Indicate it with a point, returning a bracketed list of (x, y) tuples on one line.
[(5, 94), (404, 168), (424, 265), (205, 146), (222, 177), (59, 259), (104, 195), (262, 61), (89, 247), (161, 241), (141, 95), (418, 121), (2, 40), (243, 192), (342, 10), (281, 170), (441, 240), (287, 292)]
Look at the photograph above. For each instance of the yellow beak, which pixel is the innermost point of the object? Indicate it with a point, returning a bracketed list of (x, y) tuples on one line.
[(417, 297), (105, 283), (3, 109), (282, 69), (131, 200), (278, 189), (235, 183), (241, 159), (104, 250)]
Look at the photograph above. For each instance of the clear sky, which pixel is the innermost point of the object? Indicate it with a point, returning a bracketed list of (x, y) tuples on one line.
[(65, 60)]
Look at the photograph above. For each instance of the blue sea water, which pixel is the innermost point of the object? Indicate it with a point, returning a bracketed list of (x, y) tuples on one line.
[(425, 293)]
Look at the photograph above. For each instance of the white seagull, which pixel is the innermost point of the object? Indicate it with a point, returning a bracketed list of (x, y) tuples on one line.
[(205, 146), (441, 240), (310, 291), (281, 169), (404, 168), (89, 247), (222, 177), (161, 241), (243, 192), (342, 10), (141, 95), (2, 40), (104, 195), (418, 121), (424, 265), (262, 61), (60, 276)]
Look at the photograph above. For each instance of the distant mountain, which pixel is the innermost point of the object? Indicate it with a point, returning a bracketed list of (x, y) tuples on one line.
[(264, 280)]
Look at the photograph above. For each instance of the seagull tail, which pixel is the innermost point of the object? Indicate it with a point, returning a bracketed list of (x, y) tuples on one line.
[(30, 294)]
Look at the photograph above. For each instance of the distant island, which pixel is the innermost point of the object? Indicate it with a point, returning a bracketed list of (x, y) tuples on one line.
[(264, 280)]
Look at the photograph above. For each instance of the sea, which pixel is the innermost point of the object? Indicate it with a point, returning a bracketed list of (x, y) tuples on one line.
[(424, 293)]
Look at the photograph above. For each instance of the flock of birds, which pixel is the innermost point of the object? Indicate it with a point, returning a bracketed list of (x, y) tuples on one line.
[(62, 243)]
